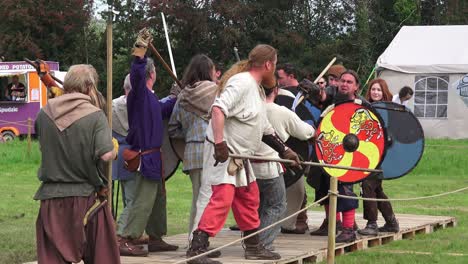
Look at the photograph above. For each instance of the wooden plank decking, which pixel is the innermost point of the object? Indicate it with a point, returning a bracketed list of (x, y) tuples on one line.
[(303, 248)]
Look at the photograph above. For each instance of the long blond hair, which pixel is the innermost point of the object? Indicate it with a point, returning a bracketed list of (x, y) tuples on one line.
[(257, 57)]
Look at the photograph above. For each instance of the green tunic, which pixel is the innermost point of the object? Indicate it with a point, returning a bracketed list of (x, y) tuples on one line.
[(70, 157)]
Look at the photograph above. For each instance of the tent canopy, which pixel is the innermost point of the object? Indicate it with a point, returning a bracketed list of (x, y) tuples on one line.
[(427, 49)]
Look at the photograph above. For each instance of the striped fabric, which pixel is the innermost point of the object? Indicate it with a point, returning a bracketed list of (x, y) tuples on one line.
[(187, 125)]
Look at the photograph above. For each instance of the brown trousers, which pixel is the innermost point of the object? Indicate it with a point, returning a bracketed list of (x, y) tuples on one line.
[(372, 188), (62, 238)]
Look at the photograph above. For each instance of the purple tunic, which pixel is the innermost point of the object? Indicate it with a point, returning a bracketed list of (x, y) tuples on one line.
[(145, 115)]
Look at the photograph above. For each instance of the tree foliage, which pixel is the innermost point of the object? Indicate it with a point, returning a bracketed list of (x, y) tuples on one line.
[(308, 33)]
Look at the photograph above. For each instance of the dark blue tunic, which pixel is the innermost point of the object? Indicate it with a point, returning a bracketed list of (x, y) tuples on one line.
[(145, 119)]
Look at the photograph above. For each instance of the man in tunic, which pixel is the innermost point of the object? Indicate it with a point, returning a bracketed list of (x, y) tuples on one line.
[(119, 173), (269, 174), (347, 90), (74, 222), (145, 115), (238, 125)]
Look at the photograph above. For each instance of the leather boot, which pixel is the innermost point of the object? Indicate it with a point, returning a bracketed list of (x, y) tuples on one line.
[(199, 245), (391, 226), (255, 250), (323, 229), (214, 254), (301, 220), (156, 244), (127, 248), (371, 229), (346, 236)]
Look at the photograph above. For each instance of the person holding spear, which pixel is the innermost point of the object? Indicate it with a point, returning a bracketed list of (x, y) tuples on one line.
[(145, 119)]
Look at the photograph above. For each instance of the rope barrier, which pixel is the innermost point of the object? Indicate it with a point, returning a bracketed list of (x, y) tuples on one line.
[(18, 123), (396, 199), (253, 234), (24, 121)]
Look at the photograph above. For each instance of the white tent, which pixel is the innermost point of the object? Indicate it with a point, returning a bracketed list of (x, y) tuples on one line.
[(433, 60)]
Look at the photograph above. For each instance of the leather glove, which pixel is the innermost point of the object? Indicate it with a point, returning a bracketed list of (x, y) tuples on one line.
[(144, 38), (175, 90), (291, 155), (116, 147), (43, 71), (41, 67), (221, 153)]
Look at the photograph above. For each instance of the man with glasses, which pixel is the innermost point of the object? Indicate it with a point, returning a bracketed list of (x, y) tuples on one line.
[(322, 83)]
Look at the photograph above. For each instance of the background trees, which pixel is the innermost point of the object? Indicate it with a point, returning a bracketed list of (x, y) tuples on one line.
[(306, 32)]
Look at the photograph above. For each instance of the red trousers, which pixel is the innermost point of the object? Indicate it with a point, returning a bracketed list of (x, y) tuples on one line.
[(244, 202)]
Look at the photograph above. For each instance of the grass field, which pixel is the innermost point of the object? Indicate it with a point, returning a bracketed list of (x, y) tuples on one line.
[(441, 169)]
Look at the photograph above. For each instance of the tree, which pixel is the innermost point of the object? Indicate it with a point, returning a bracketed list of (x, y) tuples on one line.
[(48, 29)]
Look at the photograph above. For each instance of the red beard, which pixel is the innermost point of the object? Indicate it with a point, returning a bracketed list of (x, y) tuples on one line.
[(269, 80)]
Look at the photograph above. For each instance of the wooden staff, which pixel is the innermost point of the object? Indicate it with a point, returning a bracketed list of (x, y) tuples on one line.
[(333, 200), (310, 163), (319, 76), (165, 65), (109, 102)]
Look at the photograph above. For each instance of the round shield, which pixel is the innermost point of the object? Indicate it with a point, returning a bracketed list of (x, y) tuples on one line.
[(178, 145), (350, 134), (405, 139), (170, 160), (301, 147)]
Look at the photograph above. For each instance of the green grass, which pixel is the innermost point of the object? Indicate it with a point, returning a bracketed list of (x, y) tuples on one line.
[(441, 169)]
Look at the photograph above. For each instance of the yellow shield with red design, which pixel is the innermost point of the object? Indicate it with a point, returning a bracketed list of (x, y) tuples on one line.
[(350, 134)]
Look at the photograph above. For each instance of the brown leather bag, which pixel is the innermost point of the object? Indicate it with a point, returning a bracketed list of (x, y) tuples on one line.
[(132, 158)]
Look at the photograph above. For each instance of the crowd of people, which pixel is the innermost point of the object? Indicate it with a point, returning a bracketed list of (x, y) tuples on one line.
[(216, 115)]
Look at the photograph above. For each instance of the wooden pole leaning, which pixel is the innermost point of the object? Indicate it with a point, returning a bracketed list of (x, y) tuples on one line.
[(165, 65), (332, 220), (109, 103)]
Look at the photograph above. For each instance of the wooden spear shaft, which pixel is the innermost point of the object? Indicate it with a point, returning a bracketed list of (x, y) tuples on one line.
[(237, 156), (109, 102), (332, 220), (165, 65)]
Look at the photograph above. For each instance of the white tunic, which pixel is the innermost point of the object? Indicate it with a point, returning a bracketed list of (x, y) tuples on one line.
[(286, 123), (243, 104)]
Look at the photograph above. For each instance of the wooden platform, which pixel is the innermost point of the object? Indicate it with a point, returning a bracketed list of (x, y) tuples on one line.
[(303, 248)]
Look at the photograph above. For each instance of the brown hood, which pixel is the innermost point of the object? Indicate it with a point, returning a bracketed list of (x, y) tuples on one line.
[(68, 108), (198, 98)]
